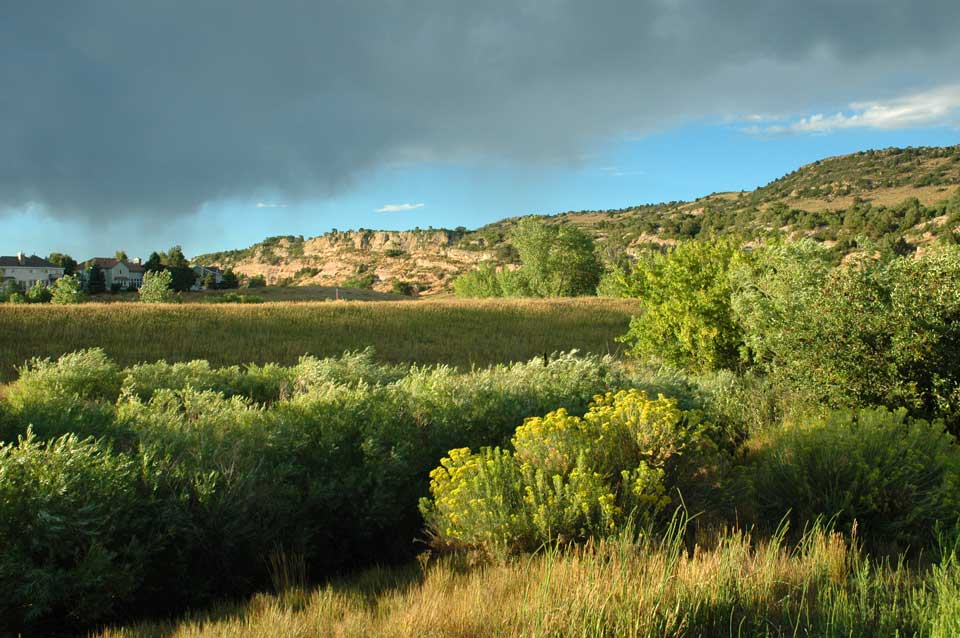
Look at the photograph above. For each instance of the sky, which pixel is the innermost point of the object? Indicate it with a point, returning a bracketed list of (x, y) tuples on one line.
[(141, 125)]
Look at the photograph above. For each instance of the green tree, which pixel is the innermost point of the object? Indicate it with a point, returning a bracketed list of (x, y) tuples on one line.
[(66, 262), (156, 287), (67, 290), (209, 282), (482, 282), (557, 260), (154, 263), (39, 293), (687, 319), (121, 256), (869, 331), (175, 258), (230, 280), (96, 282)]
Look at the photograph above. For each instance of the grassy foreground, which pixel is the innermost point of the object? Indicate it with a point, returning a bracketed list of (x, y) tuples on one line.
[(460, 333), (821, 587)]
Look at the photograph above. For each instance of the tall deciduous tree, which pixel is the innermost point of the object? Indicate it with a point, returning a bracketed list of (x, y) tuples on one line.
[(557, 260)]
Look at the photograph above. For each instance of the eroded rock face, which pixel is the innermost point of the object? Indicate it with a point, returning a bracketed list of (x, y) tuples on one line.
[(428, 259)]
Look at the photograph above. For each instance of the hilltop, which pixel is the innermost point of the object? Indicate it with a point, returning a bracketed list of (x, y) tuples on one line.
[(911, 196)]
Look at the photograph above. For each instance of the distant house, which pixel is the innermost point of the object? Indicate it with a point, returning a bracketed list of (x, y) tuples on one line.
[(127, 275), (202, 272), (26, 271)]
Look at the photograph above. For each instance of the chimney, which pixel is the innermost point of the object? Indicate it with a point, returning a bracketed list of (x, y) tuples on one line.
[(20, 257)]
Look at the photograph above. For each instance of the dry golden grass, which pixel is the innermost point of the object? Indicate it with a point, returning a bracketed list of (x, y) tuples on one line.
[(616, 588), (928, 195), (460, 333)]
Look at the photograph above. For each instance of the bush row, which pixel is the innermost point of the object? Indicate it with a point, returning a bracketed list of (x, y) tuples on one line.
[(162, 485)]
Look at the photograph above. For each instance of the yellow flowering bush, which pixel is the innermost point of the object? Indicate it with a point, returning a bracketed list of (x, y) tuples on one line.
[(570, 478)]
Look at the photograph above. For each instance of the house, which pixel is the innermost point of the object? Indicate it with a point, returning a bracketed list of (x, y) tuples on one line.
[(125, 275), (26, 271), (203, 272)]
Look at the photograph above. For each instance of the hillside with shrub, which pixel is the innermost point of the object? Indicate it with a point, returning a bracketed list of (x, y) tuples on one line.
[(897, 198)]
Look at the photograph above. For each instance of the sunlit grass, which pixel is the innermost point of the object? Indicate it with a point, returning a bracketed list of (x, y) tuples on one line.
[(461, 333), (737, 587)]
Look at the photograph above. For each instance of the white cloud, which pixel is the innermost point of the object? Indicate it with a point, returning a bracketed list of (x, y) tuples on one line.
[(270, 205), (398, 208), (616, 171), (940, 106)]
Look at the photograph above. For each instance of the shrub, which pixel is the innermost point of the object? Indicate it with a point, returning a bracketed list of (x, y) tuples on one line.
[(481, 283), (39, 293), (67, 290), (89, 374), (687, 319), (896, 477), (157, 287), (868, 332), (569, 477), (70, 518)]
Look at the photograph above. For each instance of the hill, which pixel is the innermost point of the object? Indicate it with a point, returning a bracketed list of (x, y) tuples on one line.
[(905, 197)]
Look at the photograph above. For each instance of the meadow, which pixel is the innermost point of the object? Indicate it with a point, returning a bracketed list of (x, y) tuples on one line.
[(461, 333), (775, 454)]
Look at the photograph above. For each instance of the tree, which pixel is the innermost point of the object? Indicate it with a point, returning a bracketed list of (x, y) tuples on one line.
[(869, 331), (66, 262), (209, 282), (67, 290), (175, 258), (557, 260), (156, 287), (687, 319), (154, 263), (120, 256), (38, 293), (229, 280), (182, 277), (483, 282), (96, 282)]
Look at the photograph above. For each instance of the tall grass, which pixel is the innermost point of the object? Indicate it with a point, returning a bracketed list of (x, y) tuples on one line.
[(824, 586), (460, 333)]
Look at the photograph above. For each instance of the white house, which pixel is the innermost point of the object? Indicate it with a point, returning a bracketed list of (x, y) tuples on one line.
[(202, 272), (128, 275), (25, 271)]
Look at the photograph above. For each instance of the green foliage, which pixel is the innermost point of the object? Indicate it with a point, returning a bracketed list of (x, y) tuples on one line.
[(570, 477), (229, 280), (869, 332), (17, 298), (364, 281), (403, 288), (156, 287), (68, 263), (67, 290), (39, 293), (481, 283), (96, 281), (326, 459), (687, 319), (557, 260), (71, 525), (897, 477)]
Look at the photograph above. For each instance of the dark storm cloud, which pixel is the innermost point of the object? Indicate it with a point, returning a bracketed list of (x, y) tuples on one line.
[(157, 107)]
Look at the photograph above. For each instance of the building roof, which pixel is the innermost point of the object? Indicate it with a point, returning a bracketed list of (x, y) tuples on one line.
[(23, 261), (106, 263)]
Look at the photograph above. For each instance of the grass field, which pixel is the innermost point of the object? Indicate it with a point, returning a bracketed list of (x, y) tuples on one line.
[(460, 333), (737, 588), (269, 293)]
